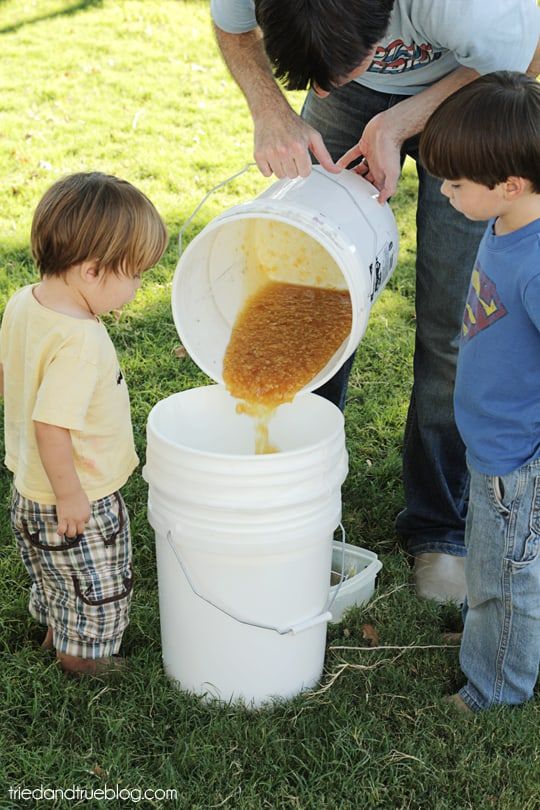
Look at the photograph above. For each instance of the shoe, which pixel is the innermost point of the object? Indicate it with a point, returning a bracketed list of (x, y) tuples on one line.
[(452, 638), (458, 703), (440, 577)]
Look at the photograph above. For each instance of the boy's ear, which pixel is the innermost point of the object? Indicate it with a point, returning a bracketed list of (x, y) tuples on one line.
[(514, 187), (89, 271)]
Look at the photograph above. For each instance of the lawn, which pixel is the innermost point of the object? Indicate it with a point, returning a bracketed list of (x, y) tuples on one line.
[(136, 88)]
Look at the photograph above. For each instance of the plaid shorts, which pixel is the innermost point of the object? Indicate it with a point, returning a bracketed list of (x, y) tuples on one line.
[(81, 586)]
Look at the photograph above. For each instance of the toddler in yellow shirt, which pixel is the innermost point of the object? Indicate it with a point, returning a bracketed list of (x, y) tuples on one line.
[(68, 435)]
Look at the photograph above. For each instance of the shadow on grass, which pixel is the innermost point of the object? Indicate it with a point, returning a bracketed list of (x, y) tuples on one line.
[(74, 8)]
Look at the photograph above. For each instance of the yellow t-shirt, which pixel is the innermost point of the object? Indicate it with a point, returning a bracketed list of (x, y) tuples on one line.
[(63, 371)]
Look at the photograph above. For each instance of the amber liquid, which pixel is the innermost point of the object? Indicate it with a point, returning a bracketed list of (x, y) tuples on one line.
[(284, 335)]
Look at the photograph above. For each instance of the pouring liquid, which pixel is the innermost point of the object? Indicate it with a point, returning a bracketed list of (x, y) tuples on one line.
[(283, 336)]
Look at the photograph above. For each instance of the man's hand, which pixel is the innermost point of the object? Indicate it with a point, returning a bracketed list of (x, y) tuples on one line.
[(283, 144), (282, 141), (379, 149), (381, 140), (73, 513)]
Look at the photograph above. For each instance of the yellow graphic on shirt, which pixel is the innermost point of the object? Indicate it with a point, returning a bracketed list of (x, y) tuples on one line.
[(483, 306)]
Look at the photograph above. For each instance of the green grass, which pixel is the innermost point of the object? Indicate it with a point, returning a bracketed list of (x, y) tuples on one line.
[(136, 88)]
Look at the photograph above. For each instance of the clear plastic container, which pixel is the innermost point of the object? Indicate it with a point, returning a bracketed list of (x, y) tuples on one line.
[(360, 569)]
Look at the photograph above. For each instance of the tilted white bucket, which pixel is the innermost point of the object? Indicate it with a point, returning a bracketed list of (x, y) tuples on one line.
[(324, 230), (244, 581)]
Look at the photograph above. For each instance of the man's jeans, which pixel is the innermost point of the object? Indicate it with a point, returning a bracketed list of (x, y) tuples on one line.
[(434, 471), (500, 650)]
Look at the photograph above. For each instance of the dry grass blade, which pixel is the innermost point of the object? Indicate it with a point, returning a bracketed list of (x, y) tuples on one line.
[(404, 648)]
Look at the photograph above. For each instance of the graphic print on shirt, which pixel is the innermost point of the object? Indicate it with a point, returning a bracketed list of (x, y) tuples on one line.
[(484, 306), (398, 57)]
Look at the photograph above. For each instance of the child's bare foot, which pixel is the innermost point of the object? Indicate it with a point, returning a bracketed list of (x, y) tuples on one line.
[(47, 643), (100, 667)]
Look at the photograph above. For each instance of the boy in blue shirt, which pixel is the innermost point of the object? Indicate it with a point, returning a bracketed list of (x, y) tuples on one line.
[(485, 141)]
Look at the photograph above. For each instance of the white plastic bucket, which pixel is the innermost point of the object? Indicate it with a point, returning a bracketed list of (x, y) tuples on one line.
[(202, 453), (323, 230), (243, 581)]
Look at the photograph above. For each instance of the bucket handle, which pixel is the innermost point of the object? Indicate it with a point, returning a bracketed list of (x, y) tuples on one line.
[(375, 280), (202, 202), (299, 627)]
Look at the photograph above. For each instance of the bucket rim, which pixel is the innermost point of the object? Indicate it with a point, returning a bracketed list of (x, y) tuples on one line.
[(256, 458), (336, 244), (270, 209)]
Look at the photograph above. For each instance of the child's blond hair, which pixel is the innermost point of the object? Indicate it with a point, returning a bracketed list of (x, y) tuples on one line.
[(96, 217)]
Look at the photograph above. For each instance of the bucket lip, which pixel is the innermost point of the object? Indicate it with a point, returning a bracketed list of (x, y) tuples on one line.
[(270, 209), (256, 458)]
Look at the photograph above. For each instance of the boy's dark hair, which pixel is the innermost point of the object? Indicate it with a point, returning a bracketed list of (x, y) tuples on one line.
[(487, 131), (320, 41), (96, 217)]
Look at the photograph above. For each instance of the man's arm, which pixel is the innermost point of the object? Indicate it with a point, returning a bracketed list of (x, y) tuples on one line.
[(383, 136), (282, 139), (410, 116), (56, 453)]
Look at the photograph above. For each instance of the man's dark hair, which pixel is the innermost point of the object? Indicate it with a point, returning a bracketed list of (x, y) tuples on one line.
[(320, 41), (487, 131)]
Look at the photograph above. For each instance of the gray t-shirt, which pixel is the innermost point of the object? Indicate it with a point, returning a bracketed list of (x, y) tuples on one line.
[(428, 39)]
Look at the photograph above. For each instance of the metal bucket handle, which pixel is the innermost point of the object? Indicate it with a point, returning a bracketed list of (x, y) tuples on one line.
[(306, 624), (202, 202), (375, 280)]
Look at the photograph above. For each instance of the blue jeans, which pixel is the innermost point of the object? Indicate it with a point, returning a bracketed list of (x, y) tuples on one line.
[(500, 650), (435, 476)]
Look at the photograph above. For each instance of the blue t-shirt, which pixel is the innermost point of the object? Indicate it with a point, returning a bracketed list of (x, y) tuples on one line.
[(428, 39), (497, 394)]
